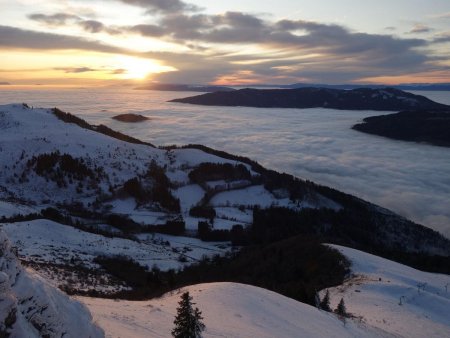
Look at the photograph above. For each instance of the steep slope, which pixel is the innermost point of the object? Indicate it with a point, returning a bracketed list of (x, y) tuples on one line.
[(230, 310), (355, 99), (30, 307), (394, 297)]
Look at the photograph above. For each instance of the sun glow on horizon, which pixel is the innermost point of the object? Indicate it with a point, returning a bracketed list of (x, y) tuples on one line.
[(138, 68)]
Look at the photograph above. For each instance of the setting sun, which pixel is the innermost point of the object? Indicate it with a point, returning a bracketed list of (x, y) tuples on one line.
[(137, 68)]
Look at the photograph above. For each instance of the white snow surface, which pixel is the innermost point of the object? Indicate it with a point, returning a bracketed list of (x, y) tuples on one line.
[(229, 309), (376, 287), (40, 310), (44, 241), (371, 295)]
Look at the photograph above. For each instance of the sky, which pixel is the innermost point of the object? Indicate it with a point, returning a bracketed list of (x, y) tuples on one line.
[(97, 42)]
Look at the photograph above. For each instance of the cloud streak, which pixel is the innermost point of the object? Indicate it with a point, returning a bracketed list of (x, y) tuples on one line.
[(12, 37), (164, 6), (420, 28), (57, 19), (76, 70)]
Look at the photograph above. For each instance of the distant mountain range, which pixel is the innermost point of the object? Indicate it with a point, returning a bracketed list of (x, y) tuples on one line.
[(387, 99), (404, 86), (184, 87), (213, 88)]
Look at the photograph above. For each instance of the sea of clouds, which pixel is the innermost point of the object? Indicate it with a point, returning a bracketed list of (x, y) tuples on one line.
[(316, 144)]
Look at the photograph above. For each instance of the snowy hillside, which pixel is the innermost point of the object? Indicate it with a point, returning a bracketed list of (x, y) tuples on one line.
[(56, 250), (372, 296), (394, 297), (96, 212), (30, 307), (60, 162), (230, 310)]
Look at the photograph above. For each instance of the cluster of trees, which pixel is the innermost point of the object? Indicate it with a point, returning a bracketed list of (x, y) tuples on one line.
[(295, 267), (60, 168), (125, 224), (236, 235), (203, 211), (219, 171), (356, 227), (206, 233), (324, 304), (157, 190)]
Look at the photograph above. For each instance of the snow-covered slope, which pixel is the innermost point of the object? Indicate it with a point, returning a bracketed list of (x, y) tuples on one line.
[(30, 307), (56, 250), (27, 133), (394, 297), (230, 310), (29, 183), (372, 296)]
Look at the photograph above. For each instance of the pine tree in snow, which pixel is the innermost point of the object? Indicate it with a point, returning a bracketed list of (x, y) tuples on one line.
[(341, 310), (325, 303), (188, 322)]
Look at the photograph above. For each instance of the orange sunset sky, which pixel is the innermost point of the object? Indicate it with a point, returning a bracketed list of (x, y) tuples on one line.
[(94, 42)]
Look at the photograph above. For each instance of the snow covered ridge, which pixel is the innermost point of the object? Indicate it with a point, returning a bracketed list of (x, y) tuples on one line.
[(30, 307), (395, 298), (230, 310), (384, 298)]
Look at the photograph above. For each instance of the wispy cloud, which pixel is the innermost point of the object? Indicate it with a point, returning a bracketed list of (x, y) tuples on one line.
[(76, 69), (442, 37), (57, 19), (164, 6), (420, 28)]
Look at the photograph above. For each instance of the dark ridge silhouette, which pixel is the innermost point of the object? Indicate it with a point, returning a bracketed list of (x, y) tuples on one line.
[(387, 99), (432, 127), (184, 88)]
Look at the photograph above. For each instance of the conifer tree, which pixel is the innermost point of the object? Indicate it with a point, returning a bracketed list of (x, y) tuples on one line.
[(325, 303), (188, 322), (341, 310)]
